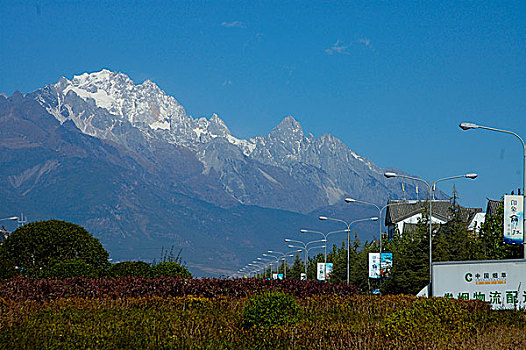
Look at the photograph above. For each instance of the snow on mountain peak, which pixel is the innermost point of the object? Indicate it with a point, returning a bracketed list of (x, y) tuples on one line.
[(144, 104), (116, 99), (288, 125)]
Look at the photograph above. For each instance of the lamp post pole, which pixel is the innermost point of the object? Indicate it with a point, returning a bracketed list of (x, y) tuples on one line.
[(352, 200), (431, 195), (467, 126), (305, 247), (348, 230), (325, 236), (270, 263), (284, 257)]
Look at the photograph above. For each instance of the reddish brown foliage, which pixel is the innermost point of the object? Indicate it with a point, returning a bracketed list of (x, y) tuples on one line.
[(130, 287)]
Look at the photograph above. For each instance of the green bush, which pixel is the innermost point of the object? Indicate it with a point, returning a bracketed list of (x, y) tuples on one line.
[(72, 268), (35, 247), (170, 269), (269, 309), (432, 320), (131, 269)]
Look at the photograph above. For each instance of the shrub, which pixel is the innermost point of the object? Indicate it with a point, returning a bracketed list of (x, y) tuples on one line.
[(433, 320), (72, 268), (21, 288), (270, 309), (37, 246), (131, 269), (170, 269)]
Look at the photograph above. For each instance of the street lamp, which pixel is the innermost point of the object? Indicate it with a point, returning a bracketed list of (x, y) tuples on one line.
[(277, 261), (352, 200), (265, 261), (431, 196), (325, 236), (348, 230), (305, 247), (467, 126), (10, 218), (284, 257)]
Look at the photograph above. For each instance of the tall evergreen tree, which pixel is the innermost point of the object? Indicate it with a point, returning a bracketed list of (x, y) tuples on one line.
[(410, 272), (491, 241), (297, 268)]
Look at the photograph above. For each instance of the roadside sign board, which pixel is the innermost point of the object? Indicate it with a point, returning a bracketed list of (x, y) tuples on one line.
[(377, 268), (499, 282), (324, 271), (513, 219)]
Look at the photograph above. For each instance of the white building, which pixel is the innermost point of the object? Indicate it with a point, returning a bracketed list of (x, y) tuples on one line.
[(403, 215)]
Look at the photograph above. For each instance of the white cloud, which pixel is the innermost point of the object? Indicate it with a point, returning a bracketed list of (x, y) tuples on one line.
[(234, 24), (364, 41), (227, 83), (338, 47)]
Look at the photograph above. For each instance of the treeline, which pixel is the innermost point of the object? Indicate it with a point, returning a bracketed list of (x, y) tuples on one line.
[(410, 271), (59, 249)]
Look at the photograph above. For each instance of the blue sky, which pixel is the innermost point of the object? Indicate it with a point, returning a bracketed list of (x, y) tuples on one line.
[(391, 79)]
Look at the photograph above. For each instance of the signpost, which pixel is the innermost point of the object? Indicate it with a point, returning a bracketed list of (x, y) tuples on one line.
[(500, 282), (513, 219), (324, 271), (377, 268)]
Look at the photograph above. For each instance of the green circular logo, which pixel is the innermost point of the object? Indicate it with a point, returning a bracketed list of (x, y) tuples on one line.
[(468, 277)]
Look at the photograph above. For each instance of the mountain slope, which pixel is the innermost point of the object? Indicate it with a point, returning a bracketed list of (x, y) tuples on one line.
[(284, 170), (126, 162)]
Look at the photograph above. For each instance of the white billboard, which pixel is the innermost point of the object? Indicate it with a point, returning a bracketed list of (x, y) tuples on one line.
[(379, 268), (324, 271), (499, 282), (513, 219)]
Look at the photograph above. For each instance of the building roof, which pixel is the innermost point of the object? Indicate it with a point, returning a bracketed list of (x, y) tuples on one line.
[(492, 207), (399, 210), (3, 234)]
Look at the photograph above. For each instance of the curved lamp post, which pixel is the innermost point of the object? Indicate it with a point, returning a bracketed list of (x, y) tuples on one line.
[(284, 257), (277, 259), (431, 194), (325, 236), (267, 261), (352, 200), (305, 247), (348, 230), (467, 126)]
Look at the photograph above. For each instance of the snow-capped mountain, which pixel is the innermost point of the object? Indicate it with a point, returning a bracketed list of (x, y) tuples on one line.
[(127, 162), (285, 169), (106, 104)]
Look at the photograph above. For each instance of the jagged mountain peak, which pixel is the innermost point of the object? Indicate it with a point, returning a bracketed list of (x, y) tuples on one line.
[(217, 126), (288, 124), (290, 133), (328, 138), (142, 117), (102, 79)]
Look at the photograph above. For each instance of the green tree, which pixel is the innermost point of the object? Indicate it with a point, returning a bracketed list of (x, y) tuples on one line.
[(35, 247), (297, 268), (131, 269), (491, 241), (338, 256), (410, 271), (71, 268), (312, 266), (453, 242), (170, 269)]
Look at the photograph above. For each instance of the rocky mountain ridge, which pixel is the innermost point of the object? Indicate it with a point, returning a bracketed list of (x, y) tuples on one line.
[(263, 170), (129, 164)]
